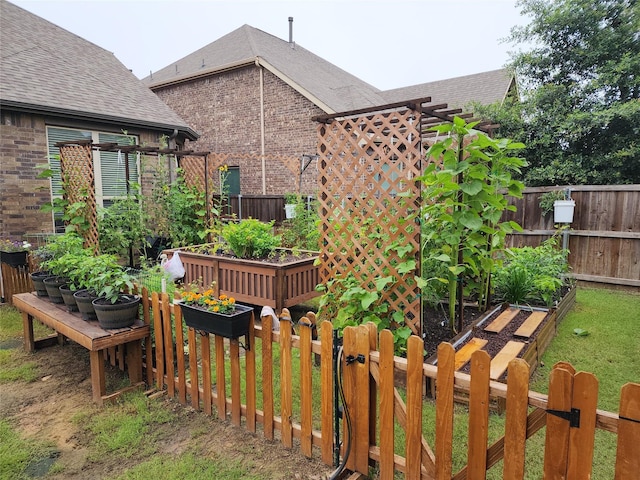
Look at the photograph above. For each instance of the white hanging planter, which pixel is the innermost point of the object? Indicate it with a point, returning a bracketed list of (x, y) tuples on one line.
[(563, 211), (290, 210)]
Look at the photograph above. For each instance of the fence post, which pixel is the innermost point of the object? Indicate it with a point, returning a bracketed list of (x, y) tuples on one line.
[(444, 411), (628, 454), (478, 415)]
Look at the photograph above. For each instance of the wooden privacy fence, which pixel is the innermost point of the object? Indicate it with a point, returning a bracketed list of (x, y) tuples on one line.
[(195, 368), (604, 238)]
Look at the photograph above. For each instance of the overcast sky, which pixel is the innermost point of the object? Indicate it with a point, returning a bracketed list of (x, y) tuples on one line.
[(386, 43)]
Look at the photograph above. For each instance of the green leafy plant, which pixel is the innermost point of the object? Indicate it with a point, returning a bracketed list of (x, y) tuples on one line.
[(49, 255), (546, 268), (547, 199), (302, 230), (516, 285), (292, 198), (123, 225), (7, 245), (250, 238), (348, 303), (464, 189)]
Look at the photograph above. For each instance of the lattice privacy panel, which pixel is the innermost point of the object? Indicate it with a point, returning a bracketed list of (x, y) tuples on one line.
[(369, 200), (194, 167), (76, 170)]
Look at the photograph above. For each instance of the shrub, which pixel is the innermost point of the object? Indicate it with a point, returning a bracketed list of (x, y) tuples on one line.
[(302, 230), (545, 266), (250, 238)]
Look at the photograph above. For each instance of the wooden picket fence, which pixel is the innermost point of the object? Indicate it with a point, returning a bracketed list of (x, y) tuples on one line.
[(14, 280), (184, 367)]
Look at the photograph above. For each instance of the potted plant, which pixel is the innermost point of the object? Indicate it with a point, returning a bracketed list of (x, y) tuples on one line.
[(14, 253), (560, 203), (52, 267), (219, 315), (114, 307), (290, 202)]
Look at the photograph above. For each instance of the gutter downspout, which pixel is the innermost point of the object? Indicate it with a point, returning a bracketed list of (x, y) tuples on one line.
[(263, 161)]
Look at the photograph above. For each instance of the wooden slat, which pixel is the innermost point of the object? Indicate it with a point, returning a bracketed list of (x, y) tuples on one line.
[(463, 355), (251, 379), (516, 419), (413, 434), (556, 447), (159, 340), (168, 344), (306, 387), (286, 387), (529, 326), (267, 376), (326, 402), (236, 401), (502, 320), (478, 415), (182, 381), (221, 382), (581, 440), (193, 369), (501, 360), (205, 347), (386, 389), (628, 452), (444, 411)]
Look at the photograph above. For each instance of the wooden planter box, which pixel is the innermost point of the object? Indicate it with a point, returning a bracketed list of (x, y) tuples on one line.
[(277, 285)]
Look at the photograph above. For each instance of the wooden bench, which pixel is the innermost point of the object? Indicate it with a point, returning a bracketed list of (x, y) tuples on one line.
[(89, 334)]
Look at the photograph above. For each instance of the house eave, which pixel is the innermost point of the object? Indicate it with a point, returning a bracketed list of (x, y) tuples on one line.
[(204, 73), (121, 122)]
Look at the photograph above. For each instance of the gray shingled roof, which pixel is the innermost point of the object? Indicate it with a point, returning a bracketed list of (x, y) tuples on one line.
[(314, 77), (47, 69), (328, 86), (484, 88)]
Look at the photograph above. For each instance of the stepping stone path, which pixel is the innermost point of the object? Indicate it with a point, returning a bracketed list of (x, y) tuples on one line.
[(520, 337)]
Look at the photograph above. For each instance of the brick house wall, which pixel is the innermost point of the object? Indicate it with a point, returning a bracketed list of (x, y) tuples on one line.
[(22, 193), (225, 110)]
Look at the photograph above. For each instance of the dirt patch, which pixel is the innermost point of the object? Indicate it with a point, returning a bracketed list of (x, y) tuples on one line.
[(47, 410)]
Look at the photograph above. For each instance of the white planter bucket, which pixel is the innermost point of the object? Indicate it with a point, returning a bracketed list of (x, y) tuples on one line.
[(563, 211), (290, 210)]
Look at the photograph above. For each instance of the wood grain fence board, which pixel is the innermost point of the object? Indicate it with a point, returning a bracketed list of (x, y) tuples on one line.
[(581, 440), (530, 325), (463, 355), (236, 401), (326, 402), (413, 434), (205, 349), (193, 369), (148, 344), (182, 381), (286, 388), (501, 361), (516, 419), (168, 344), (373, 390), (497, 325), (306, 388), (478, 415), (251, 379), (14, 280), (386, 390), (267, 376), (159, 340), (628, 451), (221, 382), (557, 435), (444, 411)]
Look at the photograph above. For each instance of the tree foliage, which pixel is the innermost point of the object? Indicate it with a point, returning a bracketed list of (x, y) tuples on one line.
[(578, 79)]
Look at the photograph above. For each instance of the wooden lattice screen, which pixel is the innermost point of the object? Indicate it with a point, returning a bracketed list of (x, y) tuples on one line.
[(194, 166), (369, 199), (76, 170)]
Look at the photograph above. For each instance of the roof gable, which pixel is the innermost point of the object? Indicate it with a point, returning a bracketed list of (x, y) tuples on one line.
[(484, 88), (47, 69), (327, 85)]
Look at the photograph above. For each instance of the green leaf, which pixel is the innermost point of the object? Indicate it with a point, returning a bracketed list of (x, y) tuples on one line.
[(406, 267), (472, 188), (471, 220), (368, 299), (580, 332)]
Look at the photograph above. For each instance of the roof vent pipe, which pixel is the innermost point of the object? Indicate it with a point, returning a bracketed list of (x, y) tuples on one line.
[(291, 32)]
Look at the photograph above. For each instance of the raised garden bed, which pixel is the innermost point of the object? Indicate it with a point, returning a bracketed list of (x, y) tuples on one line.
[(279, 282), (479, 334)]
